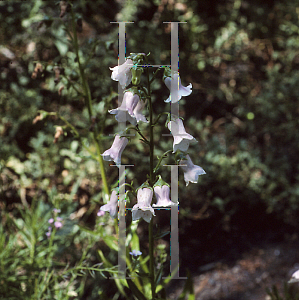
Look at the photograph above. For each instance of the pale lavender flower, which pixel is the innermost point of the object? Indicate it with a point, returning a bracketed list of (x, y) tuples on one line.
[(114, 153), (181, 139), (295, 277), (126, 109), (48, 233), (122, 73), (112, 205), (50, 221), (135, 253), (138, 112), (57, 224), (143, 207), (191, 171), (162, 195), (100, 213), (180, 91), (56, 210)]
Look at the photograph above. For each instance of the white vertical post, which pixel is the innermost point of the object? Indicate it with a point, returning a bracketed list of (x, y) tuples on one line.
[(174, 233)]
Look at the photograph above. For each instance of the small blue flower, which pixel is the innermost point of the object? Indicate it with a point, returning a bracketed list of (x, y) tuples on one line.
[(135, 253)]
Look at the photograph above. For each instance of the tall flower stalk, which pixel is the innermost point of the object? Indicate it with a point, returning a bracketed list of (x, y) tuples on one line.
[(88, 103), (135, 94)]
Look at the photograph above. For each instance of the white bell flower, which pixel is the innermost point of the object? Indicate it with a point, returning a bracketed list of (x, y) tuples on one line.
[(138, 112), (128, 105), (191, 171), (179, 92), (112, 205), (114, 153), (143, 207), (181, 139), (162, 195), (122, 73)]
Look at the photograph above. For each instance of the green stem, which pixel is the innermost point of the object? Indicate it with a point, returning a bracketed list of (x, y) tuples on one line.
[(160, 160), (144, 139), (69, 125), (163, 113), (155, 74), (88, 103), (150, 228)]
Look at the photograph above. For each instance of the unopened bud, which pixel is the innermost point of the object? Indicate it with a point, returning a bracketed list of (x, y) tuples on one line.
[(136, 74)]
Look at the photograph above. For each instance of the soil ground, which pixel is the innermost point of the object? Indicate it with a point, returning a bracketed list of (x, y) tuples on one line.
[(249, 277), (239, 260)]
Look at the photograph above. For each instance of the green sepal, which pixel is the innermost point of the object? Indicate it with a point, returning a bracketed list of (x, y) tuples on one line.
[(160, 182), (145, 185), (172, 117), (137, 58), (179, 155), (136, 74), (167, 73)]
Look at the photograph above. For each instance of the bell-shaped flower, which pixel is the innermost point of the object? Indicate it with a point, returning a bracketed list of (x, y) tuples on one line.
[(143, 207), (179, 91), (128, 105), (112, 205), (295, 277), (114, 153), (191, 171), (162, 195), (161, 189), (138, 112), (122, 73), (181, 139)]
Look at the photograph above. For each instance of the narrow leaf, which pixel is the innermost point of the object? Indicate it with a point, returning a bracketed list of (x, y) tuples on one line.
[(135, 290)]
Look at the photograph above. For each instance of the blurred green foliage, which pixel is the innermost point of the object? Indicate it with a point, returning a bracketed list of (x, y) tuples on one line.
[(242, 59)]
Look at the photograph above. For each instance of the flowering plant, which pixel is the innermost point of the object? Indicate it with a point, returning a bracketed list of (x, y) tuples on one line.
[(135, 97)]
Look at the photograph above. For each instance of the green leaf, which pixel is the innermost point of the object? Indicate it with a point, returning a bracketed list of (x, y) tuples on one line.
[(111, 242), (188, 288), (142, 274), (135, 242), (160, 235), (159, 276), (135, 290)]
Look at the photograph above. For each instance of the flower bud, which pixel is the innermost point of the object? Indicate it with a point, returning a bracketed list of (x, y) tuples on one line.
[(136, 73)]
